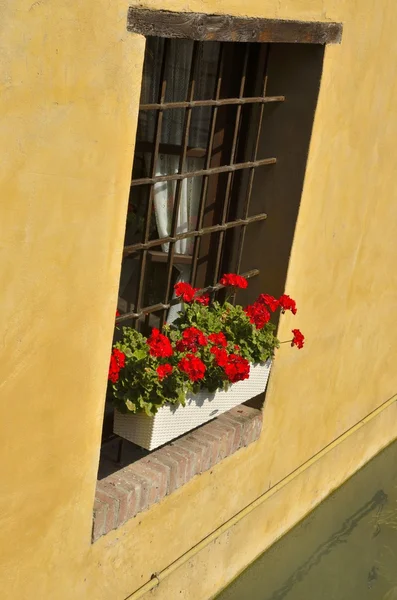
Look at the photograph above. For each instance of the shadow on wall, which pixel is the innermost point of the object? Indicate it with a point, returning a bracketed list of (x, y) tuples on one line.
[(346, 549)]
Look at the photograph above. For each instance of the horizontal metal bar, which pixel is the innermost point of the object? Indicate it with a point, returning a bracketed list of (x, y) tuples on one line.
[(222, 102), (202, 172), (162, 257), (172, 149), (156, 256), (157, 307), (195, 233)]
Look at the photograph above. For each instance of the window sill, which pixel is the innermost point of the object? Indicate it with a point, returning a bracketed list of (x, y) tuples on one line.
[(136, 487)]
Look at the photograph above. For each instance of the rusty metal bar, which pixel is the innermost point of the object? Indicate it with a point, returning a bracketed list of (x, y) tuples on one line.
[(165, 307), (172, 149), (233, 152), (201, 173), (216, 102), (194, 233), (252, 171), (182, 164), (158, 128), (162, 257), (210, 146)]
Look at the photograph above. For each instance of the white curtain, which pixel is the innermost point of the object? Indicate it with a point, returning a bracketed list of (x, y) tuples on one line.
[(178, 65)]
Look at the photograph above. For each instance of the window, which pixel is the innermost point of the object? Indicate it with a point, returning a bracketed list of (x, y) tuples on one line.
[(222, 139)]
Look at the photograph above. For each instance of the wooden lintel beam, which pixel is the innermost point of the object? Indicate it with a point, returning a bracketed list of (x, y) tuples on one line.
[(225, 28)]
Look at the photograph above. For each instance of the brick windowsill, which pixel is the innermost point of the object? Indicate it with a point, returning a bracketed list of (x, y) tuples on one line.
[(122, 495)]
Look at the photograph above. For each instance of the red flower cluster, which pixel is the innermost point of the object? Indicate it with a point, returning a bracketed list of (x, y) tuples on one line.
[(191, 339), (185, 291), (188, 293), (286, 303), (237, 368), (164, 370), (204, 299), (193, 367), (218, 339), (257, 314), (117, 362), (220, 355), (231, 279), (298, 339), (269, 301), (159, 344), (117, 314)]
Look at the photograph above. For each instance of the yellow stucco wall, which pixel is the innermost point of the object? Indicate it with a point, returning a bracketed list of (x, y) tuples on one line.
[(70, 81)]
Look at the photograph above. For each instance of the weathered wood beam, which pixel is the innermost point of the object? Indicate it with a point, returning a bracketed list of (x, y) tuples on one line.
[(225, 28)]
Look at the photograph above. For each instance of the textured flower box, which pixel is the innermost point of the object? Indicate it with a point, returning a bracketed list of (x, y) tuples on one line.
[(172, 421)]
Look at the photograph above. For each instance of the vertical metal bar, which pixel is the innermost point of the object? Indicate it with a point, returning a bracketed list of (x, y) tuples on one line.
[(252, 171), (208, 156), (179, 183), (232, 159), (157, 139)]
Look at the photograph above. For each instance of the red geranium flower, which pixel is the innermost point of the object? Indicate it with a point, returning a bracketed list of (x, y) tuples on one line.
[(159, 344), (220, 355), (219, 339), (164, 370), (193, 337), (181, 346), (185, 291), (257, 314), (299, 339), (270, 301), (237, 368), (117, 362), (114, 370), (287, 303), (120, 357), (231, 279), (193, 367), (117, 314), (204, 299)]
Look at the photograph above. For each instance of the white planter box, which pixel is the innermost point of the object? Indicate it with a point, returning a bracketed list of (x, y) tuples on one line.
[(172, 421)]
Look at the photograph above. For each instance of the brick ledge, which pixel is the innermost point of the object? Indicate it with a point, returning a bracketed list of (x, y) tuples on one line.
[(122, 495)]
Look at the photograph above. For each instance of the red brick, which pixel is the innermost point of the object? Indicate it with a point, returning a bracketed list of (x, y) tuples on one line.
[(213, 441), (209, 449), (157, 485), (116, 487), (240, 420), (176, 466), (191, 457), (225, 434), (111, 512), (202, 451), (163, 472), (98, 525), (238, 427), (249, 430), (139, 489)]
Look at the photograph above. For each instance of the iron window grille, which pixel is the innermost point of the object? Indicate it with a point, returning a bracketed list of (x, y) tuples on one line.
[(237, 69)]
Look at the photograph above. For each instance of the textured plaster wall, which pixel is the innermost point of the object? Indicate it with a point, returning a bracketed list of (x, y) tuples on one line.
[(70, 80)]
